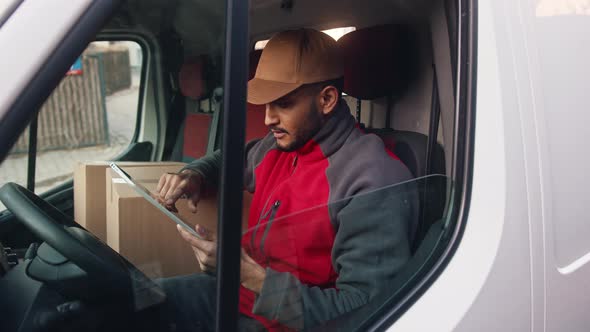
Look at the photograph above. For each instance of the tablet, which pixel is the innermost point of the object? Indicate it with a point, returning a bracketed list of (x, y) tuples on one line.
[(145, 193)]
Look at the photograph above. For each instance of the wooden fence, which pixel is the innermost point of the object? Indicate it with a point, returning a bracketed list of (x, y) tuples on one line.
[(75, 114)]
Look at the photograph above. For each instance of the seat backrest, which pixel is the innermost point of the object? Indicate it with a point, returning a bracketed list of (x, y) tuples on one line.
[(197, 128), (192, 143), (410, 147), (377, 63)]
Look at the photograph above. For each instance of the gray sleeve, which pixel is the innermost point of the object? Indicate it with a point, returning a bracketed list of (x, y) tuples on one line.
[(371, 246), (209, 167)]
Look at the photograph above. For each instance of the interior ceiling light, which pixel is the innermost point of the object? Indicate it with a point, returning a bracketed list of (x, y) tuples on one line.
[(334, 33)]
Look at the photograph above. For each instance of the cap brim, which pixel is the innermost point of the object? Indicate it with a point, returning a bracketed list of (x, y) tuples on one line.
[(262, 92)]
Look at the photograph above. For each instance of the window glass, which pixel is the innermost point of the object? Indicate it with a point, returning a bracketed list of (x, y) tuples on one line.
[(384, 241), (91, 115), (138, 230)]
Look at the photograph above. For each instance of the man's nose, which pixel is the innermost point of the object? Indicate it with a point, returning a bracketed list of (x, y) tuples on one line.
[(270, 118)]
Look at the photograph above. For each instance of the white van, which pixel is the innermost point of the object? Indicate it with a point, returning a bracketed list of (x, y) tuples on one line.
[(482, 100)]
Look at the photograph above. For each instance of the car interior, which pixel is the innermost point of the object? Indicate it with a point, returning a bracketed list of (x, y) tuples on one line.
[(400, 78)]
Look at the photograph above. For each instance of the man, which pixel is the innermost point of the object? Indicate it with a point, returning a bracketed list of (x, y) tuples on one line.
[(322, 239)]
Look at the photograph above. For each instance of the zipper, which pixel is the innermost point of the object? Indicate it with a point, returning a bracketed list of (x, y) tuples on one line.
[(294, 164), (273, 212), (263, 216), (272, 209)]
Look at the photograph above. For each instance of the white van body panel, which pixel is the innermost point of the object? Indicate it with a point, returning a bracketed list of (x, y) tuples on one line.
[(560, 72), (529, 269)]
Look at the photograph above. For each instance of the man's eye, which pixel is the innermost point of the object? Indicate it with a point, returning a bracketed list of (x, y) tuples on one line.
[(283, 104)]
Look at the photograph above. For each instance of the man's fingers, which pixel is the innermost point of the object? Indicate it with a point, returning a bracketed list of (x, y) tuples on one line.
[(170, 186), (187, 236), (163, 203), (193, 200), (246, 258), (206, 245), (205, 251), (174, 195), (205, 233), (161, 182), (206, 262), (165, 186), (171, 208)]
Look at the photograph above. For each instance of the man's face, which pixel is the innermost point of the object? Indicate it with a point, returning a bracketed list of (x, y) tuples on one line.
[(295, 118)]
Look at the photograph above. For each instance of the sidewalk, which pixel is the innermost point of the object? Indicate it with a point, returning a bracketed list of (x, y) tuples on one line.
[(56, 167)]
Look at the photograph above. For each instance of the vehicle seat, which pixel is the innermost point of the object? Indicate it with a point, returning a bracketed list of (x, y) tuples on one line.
[(376, 62), (375, 65), (192, 143), (196, 127)]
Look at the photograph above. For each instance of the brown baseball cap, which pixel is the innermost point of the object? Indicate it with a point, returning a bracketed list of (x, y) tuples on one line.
[(291, 59)]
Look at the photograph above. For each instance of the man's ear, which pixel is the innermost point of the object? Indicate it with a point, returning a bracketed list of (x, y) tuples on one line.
[(328, 99)]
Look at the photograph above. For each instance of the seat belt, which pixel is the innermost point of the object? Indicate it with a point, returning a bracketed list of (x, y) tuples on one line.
[(214, 140), (444, 77), (388, 113), (434, 121), (176, 104)]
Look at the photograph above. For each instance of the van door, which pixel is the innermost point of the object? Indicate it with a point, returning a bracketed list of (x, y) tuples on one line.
[(561, 75)]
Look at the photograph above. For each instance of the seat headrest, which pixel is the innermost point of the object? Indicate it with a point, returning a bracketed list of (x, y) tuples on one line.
[(376, 61), (254, 58), (192, 74), (191, 77)]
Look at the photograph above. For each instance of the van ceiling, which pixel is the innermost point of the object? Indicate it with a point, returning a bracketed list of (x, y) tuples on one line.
[(200, 22)]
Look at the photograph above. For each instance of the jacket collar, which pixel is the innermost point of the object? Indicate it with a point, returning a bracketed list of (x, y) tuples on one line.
[(330, 137)]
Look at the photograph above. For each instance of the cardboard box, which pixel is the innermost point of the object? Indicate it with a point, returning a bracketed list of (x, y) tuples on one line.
[(90, 193), (144, 235)]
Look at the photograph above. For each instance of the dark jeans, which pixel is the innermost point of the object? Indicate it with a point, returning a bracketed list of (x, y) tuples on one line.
[(190, 304)]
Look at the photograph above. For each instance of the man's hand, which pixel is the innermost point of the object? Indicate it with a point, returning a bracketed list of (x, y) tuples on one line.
[(205, 249), (174, 185), (252, 275)]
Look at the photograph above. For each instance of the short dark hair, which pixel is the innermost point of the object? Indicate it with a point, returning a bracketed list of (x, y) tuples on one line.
[(338, 83)]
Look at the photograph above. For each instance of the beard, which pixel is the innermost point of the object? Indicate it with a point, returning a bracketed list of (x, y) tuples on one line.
[(311, 125)]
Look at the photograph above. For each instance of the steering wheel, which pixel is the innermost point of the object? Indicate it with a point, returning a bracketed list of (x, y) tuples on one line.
[(104, 267)]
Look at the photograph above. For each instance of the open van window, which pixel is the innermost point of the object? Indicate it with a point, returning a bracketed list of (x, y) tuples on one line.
[(91, 115), (343, 240)]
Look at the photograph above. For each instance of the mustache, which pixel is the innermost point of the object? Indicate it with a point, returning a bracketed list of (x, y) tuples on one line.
[(277, 129)]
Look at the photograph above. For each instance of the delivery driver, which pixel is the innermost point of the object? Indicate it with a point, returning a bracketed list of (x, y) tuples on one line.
[(308, 256)]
